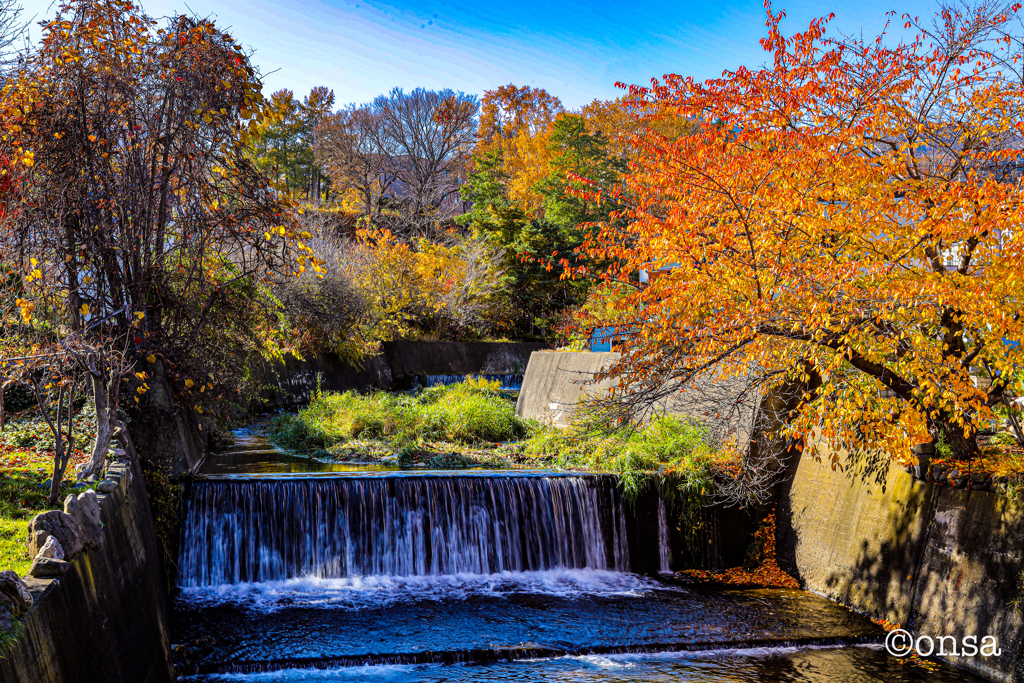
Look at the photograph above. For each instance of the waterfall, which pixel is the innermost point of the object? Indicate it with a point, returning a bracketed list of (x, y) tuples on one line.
[(508, 382), (255, 530), (664, 549)]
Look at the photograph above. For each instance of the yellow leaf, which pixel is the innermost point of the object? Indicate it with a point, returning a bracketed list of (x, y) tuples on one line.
[(151, 358), (189, 383), (84, 310)]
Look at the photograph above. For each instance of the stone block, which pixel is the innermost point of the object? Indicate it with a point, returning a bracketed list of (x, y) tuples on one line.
[(14, 588), (90, 505), (47, 568), (59, 524), (86, 519), (51, 549)]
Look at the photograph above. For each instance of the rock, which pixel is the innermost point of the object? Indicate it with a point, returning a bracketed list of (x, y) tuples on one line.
[(978, 477), (36, 541), (85, 510), (14, 588), (942, 477), (48, 568), (106, 486), (91, 505), (58, 524), (51, 549)]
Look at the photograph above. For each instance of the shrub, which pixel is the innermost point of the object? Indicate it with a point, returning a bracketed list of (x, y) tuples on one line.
[(666, 447)]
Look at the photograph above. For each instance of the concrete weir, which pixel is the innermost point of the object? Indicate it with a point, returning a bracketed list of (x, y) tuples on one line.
[(106, 618)]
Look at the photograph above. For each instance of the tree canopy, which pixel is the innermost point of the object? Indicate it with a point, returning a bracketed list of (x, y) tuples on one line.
[(137, 228), (846, 218)]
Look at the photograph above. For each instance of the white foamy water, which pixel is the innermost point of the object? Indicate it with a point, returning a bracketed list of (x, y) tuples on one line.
[(381, 672), (368, 592), (244, 532)]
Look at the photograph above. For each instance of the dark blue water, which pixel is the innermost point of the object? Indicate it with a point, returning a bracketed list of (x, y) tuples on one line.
[(291, 575)]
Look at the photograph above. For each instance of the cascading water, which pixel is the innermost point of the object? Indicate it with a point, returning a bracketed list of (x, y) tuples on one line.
[(664, 558), (318, 576), (508, 382), (401, 525)]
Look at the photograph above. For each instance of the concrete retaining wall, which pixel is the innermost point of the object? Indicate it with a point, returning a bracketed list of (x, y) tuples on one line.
[(937, 560), (105, 620), (397, 367), (556, 381)]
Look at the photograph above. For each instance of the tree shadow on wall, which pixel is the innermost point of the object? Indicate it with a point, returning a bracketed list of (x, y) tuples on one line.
[(879, 578), (937, 560)]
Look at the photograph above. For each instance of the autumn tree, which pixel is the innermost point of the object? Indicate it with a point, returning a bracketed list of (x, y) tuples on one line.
[(515, 124), (139, 217), (404, 156), (533, 241), (285, 140), (508, 110), (358, 157), (845, 219), (430, 134)]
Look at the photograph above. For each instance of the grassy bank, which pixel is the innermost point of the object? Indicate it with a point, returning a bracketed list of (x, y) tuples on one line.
[(26, 462), (462, 424), (473, 424)]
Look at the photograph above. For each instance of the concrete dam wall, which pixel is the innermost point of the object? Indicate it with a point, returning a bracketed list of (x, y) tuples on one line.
[(937, 560)]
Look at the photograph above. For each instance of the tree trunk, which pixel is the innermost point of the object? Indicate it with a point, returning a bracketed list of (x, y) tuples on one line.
[(105, 397), (962, 447)]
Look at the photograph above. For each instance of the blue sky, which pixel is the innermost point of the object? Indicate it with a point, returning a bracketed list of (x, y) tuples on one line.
[(576, 50)]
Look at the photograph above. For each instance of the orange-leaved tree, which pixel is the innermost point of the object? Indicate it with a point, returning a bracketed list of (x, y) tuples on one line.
[(845, 219), (138, 219)]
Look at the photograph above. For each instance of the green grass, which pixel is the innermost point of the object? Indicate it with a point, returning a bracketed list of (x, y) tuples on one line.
[(472, 424), (21, 499), (469, 416), (25, 464), (664, 449)]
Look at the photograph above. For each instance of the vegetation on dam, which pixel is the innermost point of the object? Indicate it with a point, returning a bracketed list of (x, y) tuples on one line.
[(473, 424)]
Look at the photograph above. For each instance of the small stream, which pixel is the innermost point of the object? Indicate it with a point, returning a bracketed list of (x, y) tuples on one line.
[(296, 570)]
